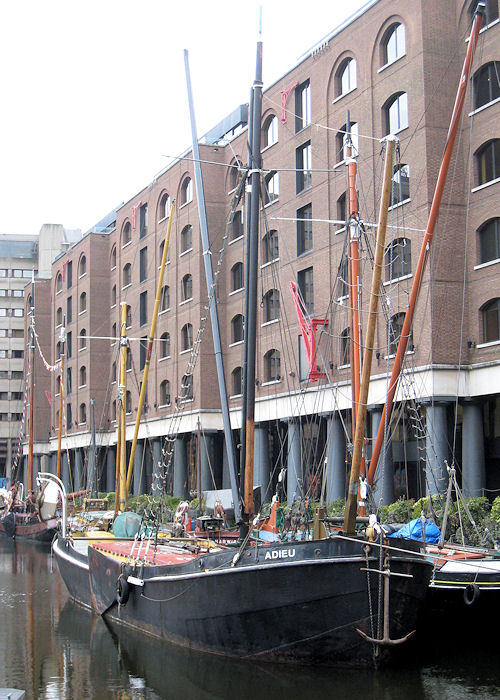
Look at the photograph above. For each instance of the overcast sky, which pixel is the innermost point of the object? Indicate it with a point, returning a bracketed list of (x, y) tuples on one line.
[(94, 92)]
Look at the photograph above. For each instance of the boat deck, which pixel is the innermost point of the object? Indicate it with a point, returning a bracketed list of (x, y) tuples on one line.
[(126, 550)]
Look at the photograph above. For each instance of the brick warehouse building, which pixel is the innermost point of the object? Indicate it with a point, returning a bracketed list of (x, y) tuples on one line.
[(403, 80)]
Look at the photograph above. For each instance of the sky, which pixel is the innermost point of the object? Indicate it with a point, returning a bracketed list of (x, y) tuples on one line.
[(94, 93)]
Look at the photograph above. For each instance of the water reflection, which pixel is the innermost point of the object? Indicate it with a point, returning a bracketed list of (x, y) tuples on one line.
[(52, 648)]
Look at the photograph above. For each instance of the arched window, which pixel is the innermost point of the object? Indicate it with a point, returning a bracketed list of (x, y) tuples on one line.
[(396, 113), (127, 233), (83, 266), (271, 187), (127, 275), (165, 298), (186, 238), (393, 43), (83, 375), (236, 226), (398, 259), (128, 317), (488, 162), (237, 324), (187, 387), (113, 257), (271, 305), (489, 240), (237, 381), (83, 302), (164, 206), (270, 131), (270, 246), (83, 413), (234, 173), (491, 321), (487, 84), (272, 366), (400, 184), (346, 76), (128, 402), (165, 393), (237, 277), (344, 140), (113, 295), (186, 191), (345, 347), (165, 345), (187, 336), (187, 287), (59, 282), (59, 316), (395, 328), (83, 339), (342, 207)]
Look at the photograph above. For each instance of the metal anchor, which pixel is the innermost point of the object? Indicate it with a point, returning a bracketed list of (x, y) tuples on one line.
[(386, 639)]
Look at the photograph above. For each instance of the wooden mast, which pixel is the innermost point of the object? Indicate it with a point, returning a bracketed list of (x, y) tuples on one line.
[(357, 456), (31, 387), (427, 241), (152, 332), (122, 404), (251, 283)]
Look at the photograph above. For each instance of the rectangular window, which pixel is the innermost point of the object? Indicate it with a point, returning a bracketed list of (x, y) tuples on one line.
[(69, 274), (69, 415), (303, 166), (3, 312), (17, 354), (16, 333), (306, 288), (143, 308), (16, 374), (303, 362), (143, 221), (4, 272), (4, 292), (69, 337), (16, 417), (304, 229), (3, 332), (3, 354), (17, 293), (302, 106), (4, 416), (20, 273), (69, 382), (143, 264), (18, 313), (143, 348), (69, 310), (15, 395), (4, 374), (4, 395)]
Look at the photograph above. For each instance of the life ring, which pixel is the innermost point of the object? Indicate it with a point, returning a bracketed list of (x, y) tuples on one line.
[(471, 593), (122, 590)]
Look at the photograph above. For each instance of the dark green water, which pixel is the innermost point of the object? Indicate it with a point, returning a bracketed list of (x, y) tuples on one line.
[(52, 648)]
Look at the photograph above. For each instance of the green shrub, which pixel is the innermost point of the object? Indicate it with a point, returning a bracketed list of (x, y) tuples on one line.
[(495, 510), (399, 512), (336, 508)]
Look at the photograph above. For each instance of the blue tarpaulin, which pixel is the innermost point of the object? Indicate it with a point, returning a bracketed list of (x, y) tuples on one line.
[(413, 531)]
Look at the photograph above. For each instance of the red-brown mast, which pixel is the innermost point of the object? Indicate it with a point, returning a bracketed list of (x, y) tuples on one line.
[(429, 233)]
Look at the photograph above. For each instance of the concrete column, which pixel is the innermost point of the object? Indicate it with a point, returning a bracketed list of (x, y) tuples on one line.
[(383, 484), (157, 487), (44, 463), (335, 465), (206, 458), (294, 475), (110, 469), (77, 480), (473, 469), (139, 469), (181, 489), (262, 469), (436, 447)]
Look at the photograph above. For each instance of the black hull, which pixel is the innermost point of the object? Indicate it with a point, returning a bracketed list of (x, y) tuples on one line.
[(33, 529), (303, 608)]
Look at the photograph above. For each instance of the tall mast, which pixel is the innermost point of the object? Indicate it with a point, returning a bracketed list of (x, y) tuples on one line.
[(354, 288), (62, 338), (31, 387), (251, 282), (357, 455), (209, 276), (427, 241), (152, 332), (122, 403)]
